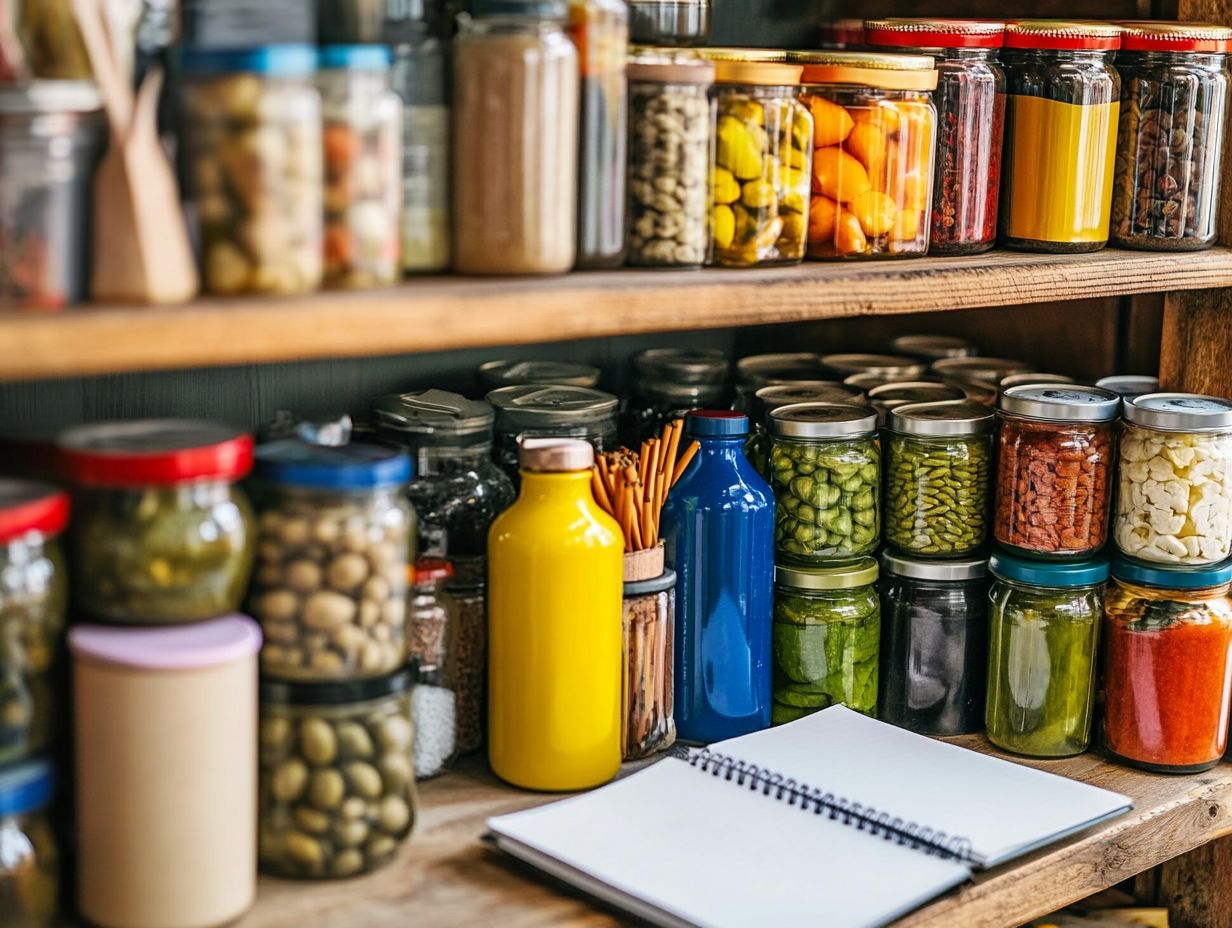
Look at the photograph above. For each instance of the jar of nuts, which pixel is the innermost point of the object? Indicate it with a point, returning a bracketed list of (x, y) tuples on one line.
[(336, 537)]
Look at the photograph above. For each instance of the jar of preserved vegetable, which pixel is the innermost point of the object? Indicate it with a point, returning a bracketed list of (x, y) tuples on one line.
[(669, 383), (671, 133), (827, 639), (932, 348), (1174, 490), (934, 644), (1167, 666), (825, 468), (887, 396), (875, 130), (1128, 386), (768, 399), (880, 365), (161, 533), (1174, 103), (337, 776), (763, 159), (363, 166), (970, 100), (30, 864), (669, 22), (434, 699), (647, 726), (1044, 623), (1054, 467), (496, 374), (938, 478), (1060, 135), (767, 370), (33, 599), (551, 412)]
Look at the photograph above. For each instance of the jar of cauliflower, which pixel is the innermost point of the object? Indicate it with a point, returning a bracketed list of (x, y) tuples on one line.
[(1174, 494)]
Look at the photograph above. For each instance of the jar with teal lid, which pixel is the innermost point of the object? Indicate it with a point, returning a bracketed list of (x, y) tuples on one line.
[(768, 399), (1044, 621), (29, 862), (827, 639)]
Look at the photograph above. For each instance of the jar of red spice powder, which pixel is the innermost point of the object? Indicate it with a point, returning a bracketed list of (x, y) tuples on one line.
[(970, 99)]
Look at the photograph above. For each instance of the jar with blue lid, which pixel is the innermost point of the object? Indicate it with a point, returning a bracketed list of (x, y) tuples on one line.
[(29, 864), (336, 537)]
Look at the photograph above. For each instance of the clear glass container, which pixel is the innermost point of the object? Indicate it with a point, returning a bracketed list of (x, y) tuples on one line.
[(434, 700), (649, 610), (768, 399), (537, 411), (30, 862), (668, 383), (669, 22), (468, 665)]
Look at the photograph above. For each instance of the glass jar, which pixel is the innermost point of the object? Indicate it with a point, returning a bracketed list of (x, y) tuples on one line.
[(362, 119), (669, 22), (1167, 666), (336, 538), (515, 153), (33, 600), (825, 468), (934, 644), (892, 394), (763, 159), (768, 399), (669, 383), (30, 865), (670, 139), (875, 130), (1044, 623), (51, 135), (1128, 386), (1174, 486), (938, 477), (769, 370), (1024, 380), (979, 377), (550, 412), (932, 348), (881, 365), (434, 700), (337, 776), (496, 374), (827, 639), (1060, 135), (649, 611), (161, 533), (468, 664), (1174, 103)]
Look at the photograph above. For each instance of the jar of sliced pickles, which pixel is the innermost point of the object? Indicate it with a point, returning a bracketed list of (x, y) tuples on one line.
[(30, 864), (768, 399), (874, 134), (551, 412)]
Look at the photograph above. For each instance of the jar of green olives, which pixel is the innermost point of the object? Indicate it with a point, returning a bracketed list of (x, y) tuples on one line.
[(825, 467), (337, 784), (161, 533), (768, 399), (938, 476), (29, 864)]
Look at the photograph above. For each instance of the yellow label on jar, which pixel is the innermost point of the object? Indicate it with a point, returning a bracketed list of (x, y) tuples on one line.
[(1059, 164)]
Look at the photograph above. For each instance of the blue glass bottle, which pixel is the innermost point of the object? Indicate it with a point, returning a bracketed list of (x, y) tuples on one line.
[(719, 530)]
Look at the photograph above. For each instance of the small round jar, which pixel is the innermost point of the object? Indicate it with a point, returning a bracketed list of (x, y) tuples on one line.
[(337, 778), (1167, 653), (669, 22), (825, 468), (934, 644), (434, 699), (1055, 454), (649, 610), (336, 537), (537, 411), (1174, 486), (496, 374), (30, 864), (1044, 624), (669, 383), (880, 365), (769, 370), (161, 533), (874, 134), (33, 599), (768, 399), (938, 477), (932, 348), (1174, 104), (890, 395), (1128, 386), (827, 639)]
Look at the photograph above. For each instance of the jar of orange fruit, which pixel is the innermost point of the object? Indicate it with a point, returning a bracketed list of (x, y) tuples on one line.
[(874, 133)]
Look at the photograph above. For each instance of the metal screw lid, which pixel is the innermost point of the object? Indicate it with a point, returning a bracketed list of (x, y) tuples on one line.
[(802, 391), (435, 417), (1179, 412), (496, 374), (1130, 384), (682, 365), (822, 420), (987, 370), (860, 573), (759, 370), (1020, 380), (949, 418), (901, 392), (933, 347), (921, 569), (888, 365), (1061, 403), (531, 406)]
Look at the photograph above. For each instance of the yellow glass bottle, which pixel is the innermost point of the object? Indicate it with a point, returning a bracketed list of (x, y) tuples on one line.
[(555, 563)]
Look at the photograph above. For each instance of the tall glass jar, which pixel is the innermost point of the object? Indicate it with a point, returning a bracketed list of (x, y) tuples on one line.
[(825, 468), (766, 370), (875, 128), (933, 347), (515, 192), (434, 699), (1055, 454), (536, 411), (647, 703), (1174, 104), (882, 365), (669, 22), (1044, 627), (1060, 135), (668, 383), (768, 399), (30, 864), (1174, 486)]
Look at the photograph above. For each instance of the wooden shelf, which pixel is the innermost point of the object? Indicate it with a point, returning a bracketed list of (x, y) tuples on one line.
[(436, 314), (446, 877)]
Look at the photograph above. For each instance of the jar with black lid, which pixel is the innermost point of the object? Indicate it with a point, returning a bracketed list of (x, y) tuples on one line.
[(668, 383), (496, 374), (547, 411)]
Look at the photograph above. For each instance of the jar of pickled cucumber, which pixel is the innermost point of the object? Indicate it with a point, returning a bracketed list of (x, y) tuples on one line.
[(827, 639), (825, 468), (768, 399), (874, 133), (30, 864), (938, 478), (551, 412)]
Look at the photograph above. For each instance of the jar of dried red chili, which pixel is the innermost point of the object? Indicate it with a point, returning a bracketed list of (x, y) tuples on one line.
[(970, 99), (1054, 469), (1167, 665)]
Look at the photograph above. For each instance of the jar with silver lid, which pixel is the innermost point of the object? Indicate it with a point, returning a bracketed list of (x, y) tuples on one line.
[(549, 411), (496, 374), (668, 384), (979, 377), (768, 399), (669, 22), (933, 347), (884, 365), (1021, 380), (887, 396), (766, 370), (1130, 385)]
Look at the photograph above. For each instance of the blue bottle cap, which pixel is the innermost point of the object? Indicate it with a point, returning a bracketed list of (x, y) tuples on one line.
[(1087, 571), (717, 423), (269, 60), (25, 787), (349, 467), (354, 57), (1171, 578)]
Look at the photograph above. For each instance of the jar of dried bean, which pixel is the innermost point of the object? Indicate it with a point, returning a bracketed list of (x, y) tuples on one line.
[(891, 395), (670, 139), (434, 700), (30, 864), (768, 399), (649, 632), (1174, 104), (1054, 464), (970, 102), (933, 347), (825, 468), (938, 478), (1060, 135), (763, 159), (1174, 489), (669, 383), (539, 411), (886, 366), (768, 370), (874, 134)]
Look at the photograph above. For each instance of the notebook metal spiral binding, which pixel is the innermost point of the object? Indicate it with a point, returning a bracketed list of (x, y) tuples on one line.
[(820, 802)]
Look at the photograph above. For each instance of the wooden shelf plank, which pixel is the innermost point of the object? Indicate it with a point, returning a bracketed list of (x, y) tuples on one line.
[(445, 877), (448, 313)]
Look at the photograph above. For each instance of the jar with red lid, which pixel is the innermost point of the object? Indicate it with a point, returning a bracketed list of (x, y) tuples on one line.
[(161, 534), (970, 100)]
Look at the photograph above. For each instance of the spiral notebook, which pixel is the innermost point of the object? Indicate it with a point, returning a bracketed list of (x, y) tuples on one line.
[(834, 819)]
